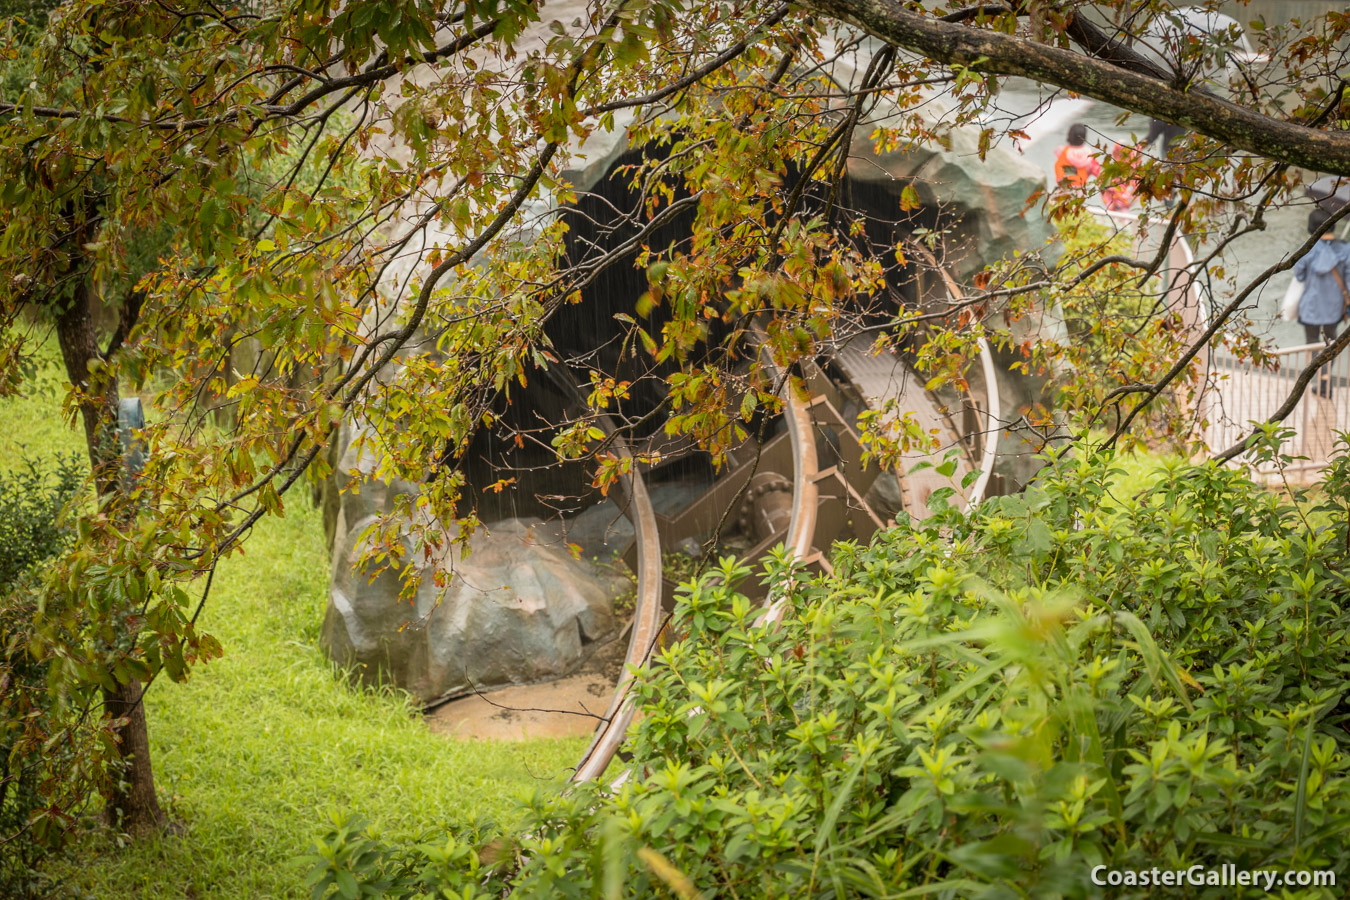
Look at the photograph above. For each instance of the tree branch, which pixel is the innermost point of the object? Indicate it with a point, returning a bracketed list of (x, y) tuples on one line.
[(1092, 39), (983, 50), (693, 77), (131, 313)]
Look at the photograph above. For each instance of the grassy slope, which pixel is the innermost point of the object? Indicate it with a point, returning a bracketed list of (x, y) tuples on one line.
[(31, 422), (254, 750), (256, 747)]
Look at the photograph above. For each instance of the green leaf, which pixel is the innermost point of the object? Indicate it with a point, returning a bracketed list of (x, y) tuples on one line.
[(346, 885), (909, 198), (1038, 538), (748, 403), (1158, 666), (825, 830), (1229, 840), (1301, 792)]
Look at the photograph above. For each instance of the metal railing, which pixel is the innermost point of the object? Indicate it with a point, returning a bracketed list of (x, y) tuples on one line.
[(1244, 392), (647, 620)]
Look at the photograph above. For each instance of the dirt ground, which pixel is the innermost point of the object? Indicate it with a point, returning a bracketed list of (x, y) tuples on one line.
[(567, 707)]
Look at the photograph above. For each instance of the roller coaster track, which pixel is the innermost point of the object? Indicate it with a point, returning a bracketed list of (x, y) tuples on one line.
[(647, 616), (648, 612), (825, 501)]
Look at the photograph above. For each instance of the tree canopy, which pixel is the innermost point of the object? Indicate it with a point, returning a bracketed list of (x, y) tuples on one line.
[(273, 217)]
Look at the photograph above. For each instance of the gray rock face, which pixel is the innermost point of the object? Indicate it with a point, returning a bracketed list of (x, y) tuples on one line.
[(988, 195), (603, 530), (885, 496), (518, 609), (984, 197)]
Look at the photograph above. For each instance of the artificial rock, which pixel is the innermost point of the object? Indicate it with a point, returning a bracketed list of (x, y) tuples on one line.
[(518, 608)]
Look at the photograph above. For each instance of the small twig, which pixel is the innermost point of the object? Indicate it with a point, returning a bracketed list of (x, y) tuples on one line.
[(476, 692)]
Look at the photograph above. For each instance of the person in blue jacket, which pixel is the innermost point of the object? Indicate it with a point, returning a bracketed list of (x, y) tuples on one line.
[(1324, 272)]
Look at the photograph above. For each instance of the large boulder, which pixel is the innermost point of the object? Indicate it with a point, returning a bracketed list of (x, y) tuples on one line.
[(519, 608), (987, 196)]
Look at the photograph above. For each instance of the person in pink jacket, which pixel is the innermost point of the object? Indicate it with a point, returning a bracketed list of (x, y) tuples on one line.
[(1120, 195)]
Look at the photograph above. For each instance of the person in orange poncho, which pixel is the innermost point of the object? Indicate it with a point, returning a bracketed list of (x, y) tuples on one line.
[(1074, 162)]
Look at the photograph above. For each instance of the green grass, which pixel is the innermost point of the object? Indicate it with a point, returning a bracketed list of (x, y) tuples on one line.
[(1140, 471), (255, 749), (31, 422)]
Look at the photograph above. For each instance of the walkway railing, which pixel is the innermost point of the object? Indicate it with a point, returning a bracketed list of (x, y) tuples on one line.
[(1245, 392)]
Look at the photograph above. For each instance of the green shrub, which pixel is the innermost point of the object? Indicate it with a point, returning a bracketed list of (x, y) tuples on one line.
[(977, 705), (1118, 333), (31, 500), (31, 532)]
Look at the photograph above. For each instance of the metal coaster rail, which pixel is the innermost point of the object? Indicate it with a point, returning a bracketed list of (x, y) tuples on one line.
[(823, 498)]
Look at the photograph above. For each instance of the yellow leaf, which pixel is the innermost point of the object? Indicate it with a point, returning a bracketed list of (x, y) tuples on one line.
[(676, 880)]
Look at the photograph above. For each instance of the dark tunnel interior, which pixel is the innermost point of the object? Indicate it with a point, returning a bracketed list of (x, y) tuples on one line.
[(589, 335)]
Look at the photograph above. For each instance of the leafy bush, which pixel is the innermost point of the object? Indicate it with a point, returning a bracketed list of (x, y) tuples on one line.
[(1104, 316), (31, 500), (31, 531), (977, 705), (1119, 332)]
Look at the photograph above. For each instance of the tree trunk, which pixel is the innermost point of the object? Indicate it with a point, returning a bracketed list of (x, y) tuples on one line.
[(132, 804), (131, 801)]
